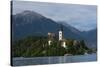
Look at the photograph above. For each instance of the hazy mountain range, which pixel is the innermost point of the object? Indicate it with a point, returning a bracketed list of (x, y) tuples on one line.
[(30, 23)]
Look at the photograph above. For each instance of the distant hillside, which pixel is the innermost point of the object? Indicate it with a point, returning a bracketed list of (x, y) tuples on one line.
[(74, 30), (91, 37)]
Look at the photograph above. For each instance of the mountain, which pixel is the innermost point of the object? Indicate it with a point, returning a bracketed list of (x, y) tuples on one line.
[(30, 23), (91, 37)]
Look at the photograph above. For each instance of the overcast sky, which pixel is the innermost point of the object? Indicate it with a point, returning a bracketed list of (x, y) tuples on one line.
[(82, 17)]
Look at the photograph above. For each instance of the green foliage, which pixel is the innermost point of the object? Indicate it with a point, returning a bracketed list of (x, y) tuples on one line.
[(37, 46)]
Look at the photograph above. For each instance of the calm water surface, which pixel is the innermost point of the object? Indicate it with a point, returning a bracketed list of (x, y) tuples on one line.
[(20, 61)]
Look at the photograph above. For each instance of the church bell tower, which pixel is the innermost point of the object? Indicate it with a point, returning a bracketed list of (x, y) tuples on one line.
[(61, 33)]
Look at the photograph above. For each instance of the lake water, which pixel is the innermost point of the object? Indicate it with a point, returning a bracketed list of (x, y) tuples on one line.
[(20, 61)]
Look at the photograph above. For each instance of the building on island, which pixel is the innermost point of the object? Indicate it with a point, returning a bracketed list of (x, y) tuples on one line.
[(50, 37), (60, 37)]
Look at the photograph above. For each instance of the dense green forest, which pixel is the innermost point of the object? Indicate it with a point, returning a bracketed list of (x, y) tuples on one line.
[(37, 46)]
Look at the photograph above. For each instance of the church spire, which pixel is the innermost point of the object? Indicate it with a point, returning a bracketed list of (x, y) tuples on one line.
[(61, 27)]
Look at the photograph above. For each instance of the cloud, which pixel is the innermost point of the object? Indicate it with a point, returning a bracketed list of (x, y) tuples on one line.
[(83, 17)]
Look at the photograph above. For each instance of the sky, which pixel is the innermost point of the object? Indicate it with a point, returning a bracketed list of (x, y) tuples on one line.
[(82, 17)]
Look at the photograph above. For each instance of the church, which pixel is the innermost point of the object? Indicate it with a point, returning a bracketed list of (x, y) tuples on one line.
[(60, 37)]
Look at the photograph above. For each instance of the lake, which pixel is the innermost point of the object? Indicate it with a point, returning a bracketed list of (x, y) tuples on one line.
[(21, 61)]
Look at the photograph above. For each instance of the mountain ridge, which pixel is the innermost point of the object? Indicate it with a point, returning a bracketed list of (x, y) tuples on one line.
[(32, 23)]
